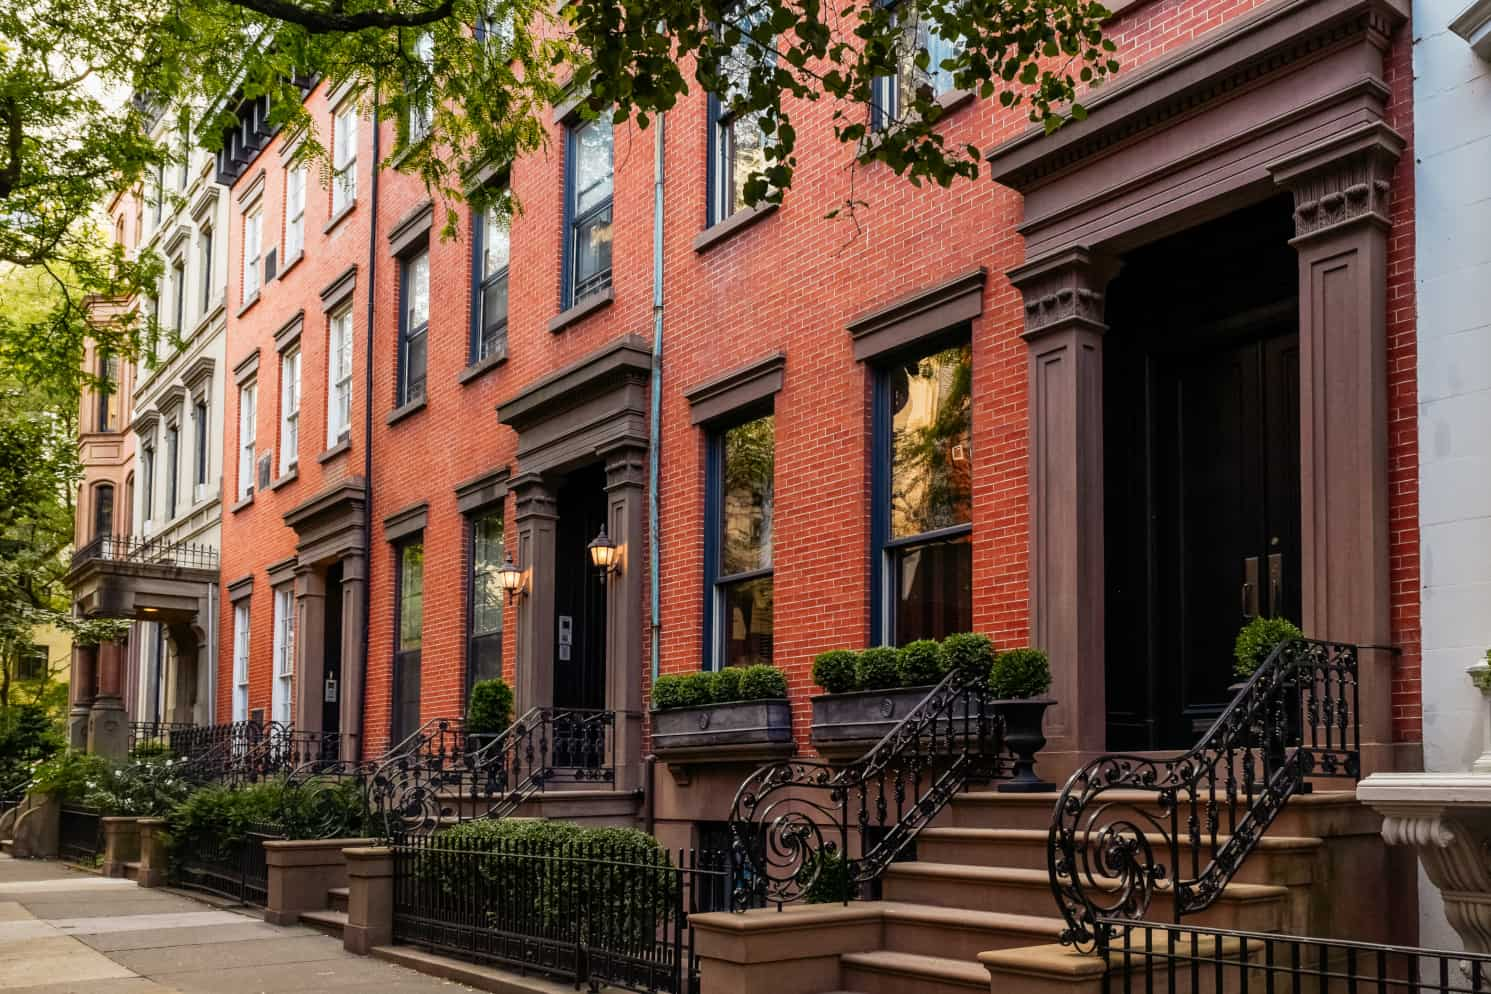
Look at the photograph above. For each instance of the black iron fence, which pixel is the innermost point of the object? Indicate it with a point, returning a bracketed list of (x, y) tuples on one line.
[(230, 866), (155, 735), (137, 549), (586, 913), (1147, 956), (80, 836)]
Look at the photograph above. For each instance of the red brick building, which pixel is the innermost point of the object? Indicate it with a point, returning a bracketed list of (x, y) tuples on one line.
[(1175, 342)]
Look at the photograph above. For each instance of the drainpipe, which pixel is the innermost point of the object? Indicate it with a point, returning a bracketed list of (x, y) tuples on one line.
[(367, 433), (655, 426)]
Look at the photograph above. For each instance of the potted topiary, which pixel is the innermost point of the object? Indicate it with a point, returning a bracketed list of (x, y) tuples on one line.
[(868, 692), (1256, 640), (739, 713), (489, 710), (1019, 680)]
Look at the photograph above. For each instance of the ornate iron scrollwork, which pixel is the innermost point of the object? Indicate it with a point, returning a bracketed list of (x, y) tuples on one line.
[(1126, 827)]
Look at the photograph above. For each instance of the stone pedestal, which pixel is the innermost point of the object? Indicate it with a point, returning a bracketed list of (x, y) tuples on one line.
[(121, 844), (369, 899), (84, 677), (1446, 818), (154, 853), (108, 725)]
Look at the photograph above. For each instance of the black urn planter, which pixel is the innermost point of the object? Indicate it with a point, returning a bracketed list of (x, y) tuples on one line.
[(1024, 736)]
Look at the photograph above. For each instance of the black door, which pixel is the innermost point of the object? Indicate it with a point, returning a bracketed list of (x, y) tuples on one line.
[(579, 617), (331, 689)]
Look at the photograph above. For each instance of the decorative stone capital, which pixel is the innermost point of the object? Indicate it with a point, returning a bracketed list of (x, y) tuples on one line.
[(1064, 290), (1344, 180), (534, 497), (626, 466)]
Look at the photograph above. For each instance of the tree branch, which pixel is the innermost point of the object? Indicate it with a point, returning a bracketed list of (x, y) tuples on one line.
[(327, 22)]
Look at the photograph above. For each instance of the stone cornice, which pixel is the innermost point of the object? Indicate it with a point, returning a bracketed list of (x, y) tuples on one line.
[(739, 388)]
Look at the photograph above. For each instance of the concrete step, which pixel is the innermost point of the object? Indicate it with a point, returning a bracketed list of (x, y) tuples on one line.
[(1260, 907), (885, 972), (132, 870), (336, 899), (1320, 815), (1278, 859), (7, 845), (331, 922), (959, 933)]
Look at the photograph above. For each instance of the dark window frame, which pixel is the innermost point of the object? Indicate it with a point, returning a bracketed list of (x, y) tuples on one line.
[(882, 546), (108, 373), (478, 350), (173, 468), (403, 658), (147, 481), (407, 335), (178, 275), (206, 252), (468, 533), (103, 525), (599, 281), (201, 450), (714, 521), (885, 92)]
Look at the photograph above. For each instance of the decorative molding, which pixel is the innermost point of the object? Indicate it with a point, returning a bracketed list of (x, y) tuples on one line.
[(339, 290), (289, 333), (412, 230), (173, 397), (409, 521), (146, 422), (198, 376), (251, 192), (534, 497), (328, 525), (629, 357), (1345, 178), (177, 237), (482, 492), (1063, 290), (1474, 25), (247, 368), (281, 572), (740, 388), (240, 588), (205, 203), (918, 315)]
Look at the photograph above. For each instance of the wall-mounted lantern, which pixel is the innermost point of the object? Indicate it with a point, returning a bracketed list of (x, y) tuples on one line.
[(510, 578), (604, 554)]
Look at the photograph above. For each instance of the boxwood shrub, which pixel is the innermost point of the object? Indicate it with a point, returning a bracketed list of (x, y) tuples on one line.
[(878, 669), (919, 663), (1018, 674), (834, 670), (489, 708), (1258, 638), (724, 685), (970, 652), (762, 682)]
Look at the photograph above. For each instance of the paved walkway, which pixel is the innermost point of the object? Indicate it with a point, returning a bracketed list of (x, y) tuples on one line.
[(63, 931)]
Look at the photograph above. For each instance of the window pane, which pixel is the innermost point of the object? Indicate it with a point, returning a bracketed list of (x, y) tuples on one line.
[(593, 254), (931, 434), (934, 589), (750, 458), (486, 558), (592, 165), (417, 289), (746, 607), (411, 596), (747, 155), (493, 315), (922, 33), (495, 238), (414, 367)]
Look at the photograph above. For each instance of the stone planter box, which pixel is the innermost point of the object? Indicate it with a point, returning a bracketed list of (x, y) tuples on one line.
[(722, 733), (301, 872), (845, 725)]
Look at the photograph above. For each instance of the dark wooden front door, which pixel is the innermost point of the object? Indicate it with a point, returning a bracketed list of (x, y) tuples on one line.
[(1204, 527), (579, 595), (330, 691)]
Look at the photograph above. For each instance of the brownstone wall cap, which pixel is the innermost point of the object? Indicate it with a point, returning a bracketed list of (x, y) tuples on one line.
[(791, 918), (1053, 960)]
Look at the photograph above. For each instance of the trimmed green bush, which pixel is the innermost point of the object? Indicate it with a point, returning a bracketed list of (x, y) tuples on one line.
[(970, 652), (724, 685), (919, 663), (489, 709), (878, 669), (834, 670), (831, 885), (1020, 673), (70, 775), (1257, 639), (678, 690), (762, 682)]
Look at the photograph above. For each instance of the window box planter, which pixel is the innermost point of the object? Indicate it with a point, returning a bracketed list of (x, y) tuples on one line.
[(846, 724), (1024, 736), (739, 731)]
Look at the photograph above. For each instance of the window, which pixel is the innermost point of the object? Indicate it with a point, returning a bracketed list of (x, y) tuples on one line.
[(492, 239), (160, 191), (495, 26), (289, 410), (894, 95), (924, 496), (200, 428), (178, 289), (103, 509), (205, 245), (284, 655), (421, 109), (587, 178), (740, 493), (147, 483), (252, 230), (737, 143), (247, 394), (344, 158), (173, 466), (108, 393), (294, 213), (484, 659), (183, 166), (414, 326), (410, 619), (34, 663), (339, 376), (240, 660)]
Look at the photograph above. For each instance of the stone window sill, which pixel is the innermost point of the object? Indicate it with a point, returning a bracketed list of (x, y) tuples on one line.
[(477, 370), (243, 503), (247, 304), (344, 445), (734, 224), (582, 310), (336, 218), (950, 101), (400, 413), (288, 477), (290, 264)]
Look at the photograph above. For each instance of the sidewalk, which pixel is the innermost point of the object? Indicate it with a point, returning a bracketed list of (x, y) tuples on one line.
[(63, 931)]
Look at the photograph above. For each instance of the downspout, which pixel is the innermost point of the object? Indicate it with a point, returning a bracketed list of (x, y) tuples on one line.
[(655, 427), (367, 434)]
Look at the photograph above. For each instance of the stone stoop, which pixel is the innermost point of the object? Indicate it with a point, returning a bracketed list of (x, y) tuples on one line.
[(333, 919), (583, 804)]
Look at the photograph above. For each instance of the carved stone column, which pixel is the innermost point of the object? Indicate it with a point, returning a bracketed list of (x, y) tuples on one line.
[(310, 646), (82, 679), (626, 473), (108, 725), (1064, 330), (537, 516), (1341, 192), (183, 676), (354, 662)]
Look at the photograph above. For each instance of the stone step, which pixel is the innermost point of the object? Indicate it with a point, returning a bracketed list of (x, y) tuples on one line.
[(960, 933), (7, 846), (132, 870), (1277, 859), (1322, 815), (885, 972), (331, 922), (336, 899), (1259, 907)]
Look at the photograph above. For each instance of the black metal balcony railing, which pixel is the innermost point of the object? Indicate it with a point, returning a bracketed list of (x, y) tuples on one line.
[(239, 752), (137, 549)]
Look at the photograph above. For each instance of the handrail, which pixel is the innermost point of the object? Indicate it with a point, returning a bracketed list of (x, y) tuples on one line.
[(792, 817), (1298, 716)]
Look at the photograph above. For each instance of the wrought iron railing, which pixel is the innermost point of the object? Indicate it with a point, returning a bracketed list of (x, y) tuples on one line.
[(80, 833), (1147, 956), (138, 549), (590, 914), (447, 775), (251, 751), (1108, 853), (793, 819), (155, 734), (231, 866)]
